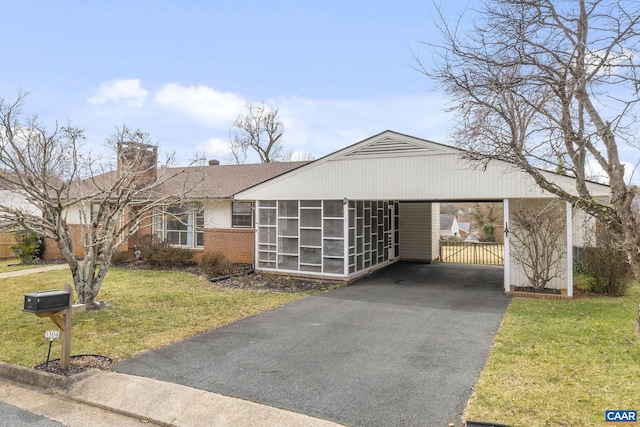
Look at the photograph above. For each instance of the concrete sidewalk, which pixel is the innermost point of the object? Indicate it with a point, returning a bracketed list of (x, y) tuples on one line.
[(134, 400), (28, 271)]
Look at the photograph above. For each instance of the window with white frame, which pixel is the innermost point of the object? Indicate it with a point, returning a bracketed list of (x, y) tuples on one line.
[(95, 210), (180, 225), (242, 215)]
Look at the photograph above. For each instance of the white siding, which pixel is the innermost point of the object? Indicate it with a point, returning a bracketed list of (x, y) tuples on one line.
[(584, 229), (416, 231), (437, 174), (217, 214), (435, 231), (516, 273)]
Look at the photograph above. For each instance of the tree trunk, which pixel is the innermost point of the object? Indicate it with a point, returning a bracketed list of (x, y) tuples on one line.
[(86, 283)]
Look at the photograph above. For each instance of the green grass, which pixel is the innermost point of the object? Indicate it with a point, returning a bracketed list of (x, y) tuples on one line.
[(147, 309), (561, 363)]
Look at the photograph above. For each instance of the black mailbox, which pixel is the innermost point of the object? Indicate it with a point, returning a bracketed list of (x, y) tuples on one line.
[(42, 301)]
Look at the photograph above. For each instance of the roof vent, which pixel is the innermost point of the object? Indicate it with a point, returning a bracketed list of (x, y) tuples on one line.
[(214, 162)]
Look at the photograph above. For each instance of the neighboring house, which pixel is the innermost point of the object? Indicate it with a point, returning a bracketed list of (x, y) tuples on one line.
[(465, 229), (449, 226), (16, 200)]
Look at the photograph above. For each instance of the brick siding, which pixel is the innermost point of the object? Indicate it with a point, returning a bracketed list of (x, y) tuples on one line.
[(236, 243)]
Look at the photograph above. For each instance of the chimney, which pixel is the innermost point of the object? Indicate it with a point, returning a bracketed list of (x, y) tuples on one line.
[(214, 162), (140, 159)]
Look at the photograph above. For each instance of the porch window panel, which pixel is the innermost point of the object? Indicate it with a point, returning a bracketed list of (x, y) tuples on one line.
[(310, 203), (267, 203), (288, 227), (333, 265), (287, 262), (311, 268), (267, 216), (288, 245), (267, 235), (310, 237), (333, 209), (333, 248), (267, 256), (310, 218), (266, 264), (288, 208), (333, 228), (311, 256)]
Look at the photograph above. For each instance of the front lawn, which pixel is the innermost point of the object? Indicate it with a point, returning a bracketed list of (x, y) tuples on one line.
[(561, 363), (146, 310)]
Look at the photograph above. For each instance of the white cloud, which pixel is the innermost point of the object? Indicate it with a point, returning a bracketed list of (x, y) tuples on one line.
[(612, 64), (214, 109), (129, 92), (596, 173), (216, 148)]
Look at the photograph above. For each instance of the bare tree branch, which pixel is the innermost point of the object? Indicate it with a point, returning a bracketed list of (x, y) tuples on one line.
[(259, 129), (550, 84), (47, 177)]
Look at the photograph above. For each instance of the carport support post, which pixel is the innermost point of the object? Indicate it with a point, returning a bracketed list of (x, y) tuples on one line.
[(569, 250), (345, 233), (507, 258)]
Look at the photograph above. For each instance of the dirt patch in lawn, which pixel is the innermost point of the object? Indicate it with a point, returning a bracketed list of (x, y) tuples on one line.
[(277, 282)]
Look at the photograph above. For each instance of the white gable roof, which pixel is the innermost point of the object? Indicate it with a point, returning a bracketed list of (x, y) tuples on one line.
[(393, 166)]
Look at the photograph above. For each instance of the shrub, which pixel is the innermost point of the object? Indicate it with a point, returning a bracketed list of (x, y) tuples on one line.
[(119, 258), (608, 270), (607, 266), (29, 246), (215, 264), (160, 253)]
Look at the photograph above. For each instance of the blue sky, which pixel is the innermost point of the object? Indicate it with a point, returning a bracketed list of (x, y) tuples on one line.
[(339, 71)]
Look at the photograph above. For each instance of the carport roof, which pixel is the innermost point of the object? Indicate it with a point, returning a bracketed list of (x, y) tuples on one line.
[(394, 166)]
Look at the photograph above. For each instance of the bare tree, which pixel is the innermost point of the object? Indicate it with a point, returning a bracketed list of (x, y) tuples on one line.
[(550, 84), (538, 243), (50, 178), (259, 129)]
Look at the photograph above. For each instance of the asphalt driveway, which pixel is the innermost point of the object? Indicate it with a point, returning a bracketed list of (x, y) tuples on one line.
[(401, 347)]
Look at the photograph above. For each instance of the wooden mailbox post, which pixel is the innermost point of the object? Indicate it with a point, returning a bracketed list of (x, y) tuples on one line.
[(57, 306)]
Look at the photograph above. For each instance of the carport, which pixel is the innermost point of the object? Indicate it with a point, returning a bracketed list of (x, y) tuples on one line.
[(377, 202)]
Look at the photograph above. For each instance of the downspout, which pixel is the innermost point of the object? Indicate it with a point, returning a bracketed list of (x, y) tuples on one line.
[(256, 244)]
